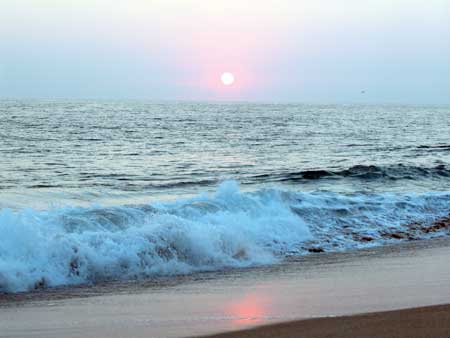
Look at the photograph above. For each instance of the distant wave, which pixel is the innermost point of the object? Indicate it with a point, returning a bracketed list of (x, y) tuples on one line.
[(363, 172), (438, 147), (230, 228), (358, 172)]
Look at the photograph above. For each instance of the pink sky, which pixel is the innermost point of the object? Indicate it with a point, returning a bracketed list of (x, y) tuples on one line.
[(303, 50)]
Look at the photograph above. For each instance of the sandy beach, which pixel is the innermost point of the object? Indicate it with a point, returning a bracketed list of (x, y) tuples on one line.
[(421, 322), (322, 285)]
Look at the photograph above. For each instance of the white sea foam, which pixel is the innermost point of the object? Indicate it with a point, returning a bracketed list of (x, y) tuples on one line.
[(227, 229)]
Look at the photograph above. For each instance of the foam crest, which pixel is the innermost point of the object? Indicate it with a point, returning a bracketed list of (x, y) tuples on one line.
[(76, 245), (208, 232)]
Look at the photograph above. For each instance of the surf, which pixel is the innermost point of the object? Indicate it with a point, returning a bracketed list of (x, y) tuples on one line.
[(228, 228)]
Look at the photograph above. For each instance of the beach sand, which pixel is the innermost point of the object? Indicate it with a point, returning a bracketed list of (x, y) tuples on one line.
[(408, 275), (424, 322)]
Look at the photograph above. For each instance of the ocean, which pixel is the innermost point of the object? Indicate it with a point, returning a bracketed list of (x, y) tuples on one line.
[(98, 191)]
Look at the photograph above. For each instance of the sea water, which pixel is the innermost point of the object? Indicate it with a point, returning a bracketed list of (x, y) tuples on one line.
[(95, 191)]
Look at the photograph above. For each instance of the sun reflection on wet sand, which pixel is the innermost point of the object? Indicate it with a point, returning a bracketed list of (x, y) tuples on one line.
[(253, 308)]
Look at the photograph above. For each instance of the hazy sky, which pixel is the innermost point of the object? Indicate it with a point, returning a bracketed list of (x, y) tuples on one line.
[(283, 50)]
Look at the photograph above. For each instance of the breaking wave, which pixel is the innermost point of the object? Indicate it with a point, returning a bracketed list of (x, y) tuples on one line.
[(230, 228)]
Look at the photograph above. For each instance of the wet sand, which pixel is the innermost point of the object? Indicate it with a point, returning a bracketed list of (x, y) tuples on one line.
[(432, 322), (321, 285)]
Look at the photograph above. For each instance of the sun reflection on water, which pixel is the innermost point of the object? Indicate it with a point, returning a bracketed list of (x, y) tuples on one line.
[(251, 309)]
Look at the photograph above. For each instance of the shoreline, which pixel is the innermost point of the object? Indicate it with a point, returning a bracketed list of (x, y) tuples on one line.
[(408, 275), (106, 288), (419, 322)]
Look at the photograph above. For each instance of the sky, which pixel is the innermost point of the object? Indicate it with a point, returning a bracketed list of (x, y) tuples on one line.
[(375, 51)]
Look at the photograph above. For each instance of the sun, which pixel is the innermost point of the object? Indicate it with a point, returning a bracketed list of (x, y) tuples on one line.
[(227, 78)]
